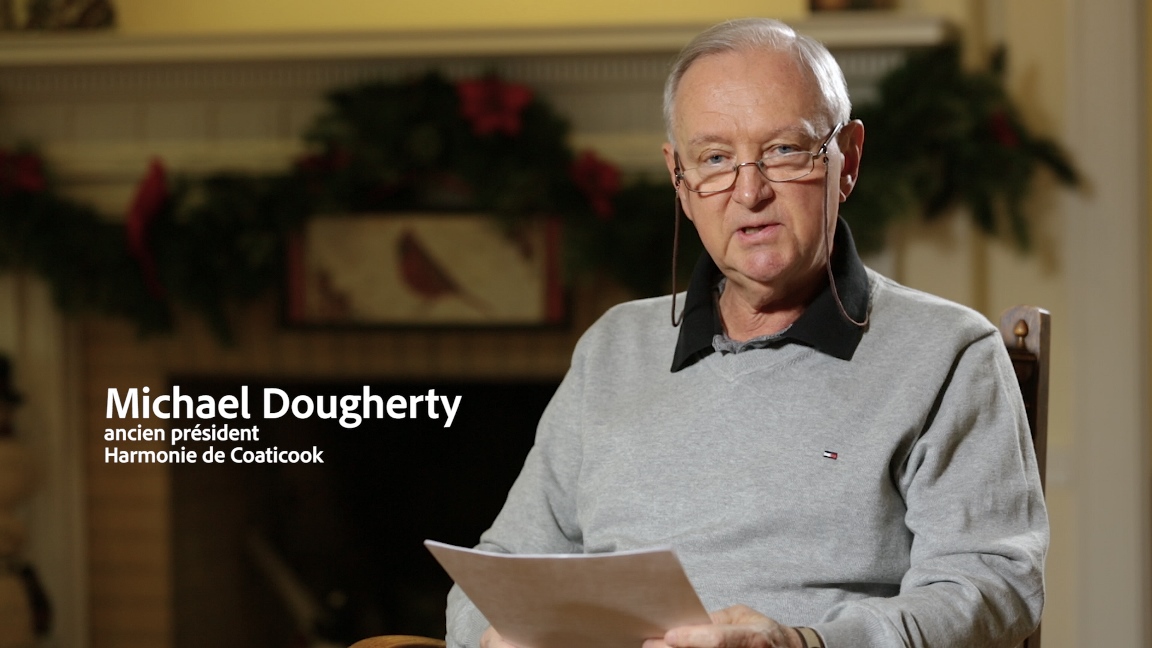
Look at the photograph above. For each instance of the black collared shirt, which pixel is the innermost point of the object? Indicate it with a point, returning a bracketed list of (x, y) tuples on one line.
[(821, 325)]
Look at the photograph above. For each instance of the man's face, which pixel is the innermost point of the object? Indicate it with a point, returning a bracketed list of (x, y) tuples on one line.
[(766, 237)]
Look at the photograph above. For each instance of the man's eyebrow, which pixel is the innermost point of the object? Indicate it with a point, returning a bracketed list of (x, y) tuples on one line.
[(711, 138), (707, 138), (802, 131)]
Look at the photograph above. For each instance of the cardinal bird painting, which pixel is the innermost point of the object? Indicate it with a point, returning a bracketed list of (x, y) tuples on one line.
[(424, 270), (428, 279)]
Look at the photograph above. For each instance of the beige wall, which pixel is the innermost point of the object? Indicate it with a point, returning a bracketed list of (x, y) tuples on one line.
[(1090, 502), (214, 16), (954, 260)]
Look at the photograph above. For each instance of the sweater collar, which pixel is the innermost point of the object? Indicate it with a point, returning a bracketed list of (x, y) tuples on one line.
[(820, 326)]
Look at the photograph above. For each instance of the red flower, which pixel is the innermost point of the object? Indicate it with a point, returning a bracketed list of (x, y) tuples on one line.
[(21, 172), (598, 180), (146, 205), (491, 105), (1002, 130)]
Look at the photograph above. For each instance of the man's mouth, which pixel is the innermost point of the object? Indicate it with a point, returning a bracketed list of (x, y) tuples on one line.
[(753, 229)]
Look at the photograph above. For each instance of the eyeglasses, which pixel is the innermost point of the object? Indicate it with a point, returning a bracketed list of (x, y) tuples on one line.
[(774, 167)]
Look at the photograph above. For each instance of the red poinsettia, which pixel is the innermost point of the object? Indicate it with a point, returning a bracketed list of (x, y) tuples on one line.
[(150, 197), (598, 180), (21, 172), (491, 105)]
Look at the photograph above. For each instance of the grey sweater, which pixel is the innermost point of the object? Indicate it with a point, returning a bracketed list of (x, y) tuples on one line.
[(888, 500)]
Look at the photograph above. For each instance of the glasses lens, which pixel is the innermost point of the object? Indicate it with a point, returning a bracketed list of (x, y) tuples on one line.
[(711, 179), (777, 168), (789, 166)]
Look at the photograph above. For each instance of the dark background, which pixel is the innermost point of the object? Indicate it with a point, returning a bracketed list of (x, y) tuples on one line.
[(350, 529)]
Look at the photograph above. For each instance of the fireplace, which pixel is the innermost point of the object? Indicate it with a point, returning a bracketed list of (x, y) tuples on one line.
[(121, 566), (275, 554)]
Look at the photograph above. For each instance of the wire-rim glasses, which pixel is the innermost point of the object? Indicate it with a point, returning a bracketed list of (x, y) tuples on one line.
[(774, 167)]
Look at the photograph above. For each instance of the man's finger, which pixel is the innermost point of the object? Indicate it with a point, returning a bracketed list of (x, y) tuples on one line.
[(698, 636), (737, 615)]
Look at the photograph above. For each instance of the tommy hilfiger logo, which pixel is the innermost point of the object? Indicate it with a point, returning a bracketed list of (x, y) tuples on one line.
[(828, 454)]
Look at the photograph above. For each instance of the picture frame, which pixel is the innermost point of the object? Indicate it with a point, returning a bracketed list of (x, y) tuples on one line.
[(424, 270)]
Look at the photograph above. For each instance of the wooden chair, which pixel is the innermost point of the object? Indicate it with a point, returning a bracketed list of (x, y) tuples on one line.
[(1026, 331)]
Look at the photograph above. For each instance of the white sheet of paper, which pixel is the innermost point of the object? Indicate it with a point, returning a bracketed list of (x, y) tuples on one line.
[(614, 600)]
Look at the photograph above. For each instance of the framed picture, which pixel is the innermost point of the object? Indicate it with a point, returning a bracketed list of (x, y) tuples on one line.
[(424, 270)]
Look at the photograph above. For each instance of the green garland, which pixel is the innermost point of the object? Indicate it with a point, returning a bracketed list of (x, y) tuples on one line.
[(489, 146), (938, 136)]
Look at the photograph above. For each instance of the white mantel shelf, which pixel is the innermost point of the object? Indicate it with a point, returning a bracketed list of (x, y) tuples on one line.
[(838, 31)]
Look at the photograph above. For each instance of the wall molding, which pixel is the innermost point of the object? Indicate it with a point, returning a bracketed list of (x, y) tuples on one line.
[(100, 124), (852, 30), (257, 78)]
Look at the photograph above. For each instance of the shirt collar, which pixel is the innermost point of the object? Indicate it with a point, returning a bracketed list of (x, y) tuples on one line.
[(821, 325)]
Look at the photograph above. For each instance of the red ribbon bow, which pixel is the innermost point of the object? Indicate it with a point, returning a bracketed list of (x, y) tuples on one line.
[(150, 197), (598, 180)]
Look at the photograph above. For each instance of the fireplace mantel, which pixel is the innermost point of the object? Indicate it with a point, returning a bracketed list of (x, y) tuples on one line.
[(851, 30), (101, 104)]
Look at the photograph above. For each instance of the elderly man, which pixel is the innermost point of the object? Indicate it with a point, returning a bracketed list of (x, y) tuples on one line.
[(838, 460)]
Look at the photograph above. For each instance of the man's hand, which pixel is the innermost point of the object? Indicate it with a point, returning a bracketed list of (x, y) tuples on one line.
[(735, 627)]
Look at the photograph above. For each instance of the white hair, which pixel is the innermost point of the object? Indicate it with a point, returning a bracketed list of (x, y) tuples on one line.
[(772, 35)]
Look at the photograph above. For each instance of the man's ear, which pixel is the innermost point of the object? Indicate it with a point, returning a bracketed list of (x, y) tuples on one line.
[(851, 140), (670, 162)]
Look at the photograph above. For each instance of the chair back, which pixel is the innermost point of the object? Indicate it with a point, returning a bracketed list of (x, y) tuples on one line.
[(1027, 333)]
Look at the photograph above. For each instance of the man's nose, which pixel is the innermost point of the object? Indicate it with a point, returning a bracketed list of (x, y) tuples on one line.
[(751, 188)]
